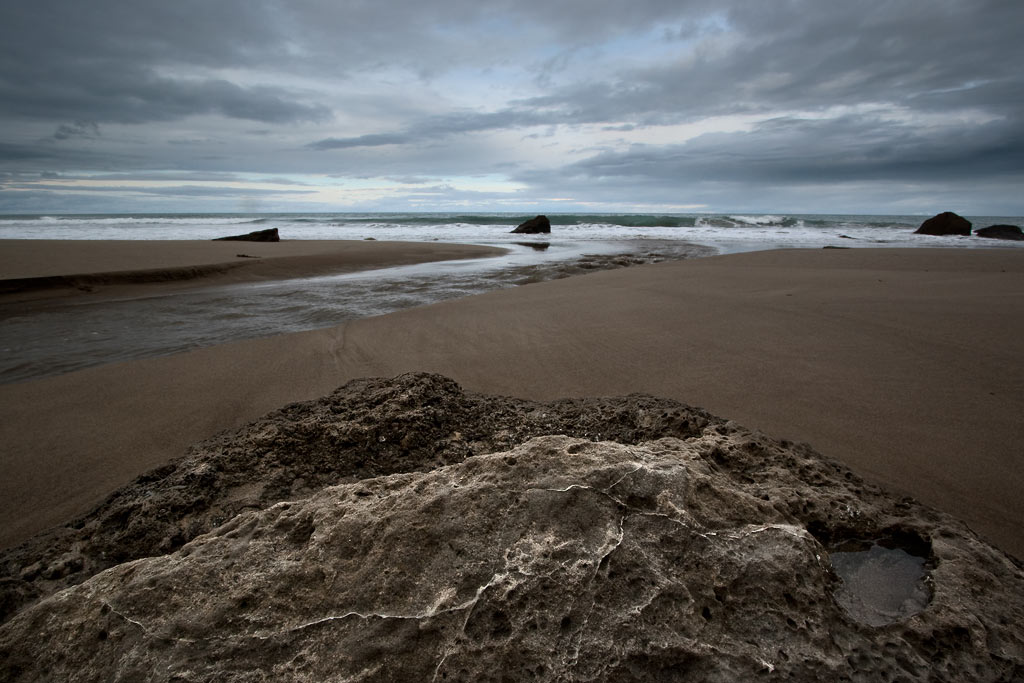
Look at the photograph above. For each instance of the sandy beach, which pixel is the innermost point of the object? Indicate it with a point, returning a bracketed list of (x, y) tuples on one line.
[(33, 269), (902, 363)]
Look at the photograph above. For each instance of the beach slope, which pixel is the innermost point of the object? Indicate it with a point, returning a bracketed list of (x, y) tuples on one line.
[(902, 363), (32, 269)]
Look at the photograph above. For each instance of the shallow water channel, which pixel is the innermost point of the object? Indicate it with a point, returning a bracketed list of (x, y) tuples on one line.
[(39, 339)]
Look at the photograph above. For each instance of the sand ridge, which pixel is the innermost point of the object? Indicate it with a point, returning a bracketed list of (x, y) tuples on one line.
[(32, 269)]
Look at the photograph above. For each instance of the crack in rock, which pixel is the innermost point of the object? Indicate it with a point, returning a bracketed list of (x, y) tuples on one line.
[(704, 557)]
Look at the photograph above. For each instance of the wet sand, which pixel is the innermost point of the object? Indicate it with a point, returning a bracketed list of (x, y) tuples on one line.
[(33, 269), (903, 363)]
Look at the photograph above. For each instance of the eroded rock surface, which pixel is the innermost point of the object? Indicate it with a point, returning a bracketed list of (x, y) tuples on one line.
[(367, 428), (697, 553)]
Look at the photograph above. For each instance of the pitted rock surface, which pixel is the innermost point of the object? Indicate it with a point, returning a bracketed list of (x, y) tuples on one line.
[(366, 428), (697, 556)]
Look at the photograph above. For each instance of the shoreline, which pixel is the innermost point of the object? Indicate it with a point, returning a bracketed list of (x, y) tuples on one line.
[(902, 363), (53, 332), (41, 269)]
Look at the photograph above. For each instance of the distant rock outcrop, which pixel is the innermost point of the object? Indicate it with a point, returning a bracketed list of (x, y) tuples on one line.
[(946, 223), (405, 530), (268, 235), (1001, 232), (539, 224)]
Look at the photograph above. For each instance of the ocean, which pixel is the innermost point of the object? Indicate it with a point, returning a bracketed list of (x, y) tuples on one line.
[(57, 336), (724, 232)]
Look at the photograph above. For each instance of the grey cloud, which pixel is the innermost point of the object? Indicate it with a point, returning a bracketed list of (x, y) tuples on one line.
[(41, 157), (409, 180), (194, 142), (116, 61), (192, 73), (214, 191), (175, 191), (10, 152), (269, 105), (181, 176), (796, 53), (432, 128), (1002, 97), (128, 95), (80, 129), (55, 201), (802, 55), (373, 140), (812, 151)]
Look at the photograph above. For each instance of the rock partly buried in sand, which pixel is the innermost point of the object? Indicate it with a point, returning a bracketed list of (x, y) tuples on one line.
[(703, 555), (536, 246), (539, 224), (268, 235), (1001, 232), (946, 223)]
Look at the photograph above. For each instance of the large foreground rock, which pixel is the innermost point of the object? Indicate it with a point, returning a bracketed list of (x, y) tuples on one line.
[(704, 555), (946, 223), (367, 428)]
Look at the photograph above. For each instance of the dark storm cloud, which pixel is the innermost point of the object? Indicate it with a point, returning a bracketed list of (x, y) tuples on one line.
[(910, 57), (109, 58), (10, 152), (125, 94), (80, 129), (849, 148), (431, 129), (808, 55), (173, 191), (102, 61), (182, 176), (374, 140), (38, 156), (868, 91), (123, 61)]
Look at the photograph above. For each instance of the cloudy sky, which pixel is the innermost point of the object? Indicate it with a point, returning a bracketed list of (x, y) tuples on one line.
[(866, 106)]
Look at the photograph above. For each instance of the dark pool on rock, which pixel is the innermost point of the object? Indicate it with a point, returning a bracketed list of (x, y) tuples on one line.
[(882, 583)]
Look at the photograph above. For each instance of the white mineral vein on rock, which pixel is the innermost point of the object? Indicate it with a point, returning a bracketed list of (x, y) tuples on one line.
[(701, 558)]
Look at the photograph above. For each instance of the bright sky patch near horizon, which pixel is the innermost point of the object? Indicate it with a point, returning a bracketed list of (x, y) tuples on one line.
[(796, 106)]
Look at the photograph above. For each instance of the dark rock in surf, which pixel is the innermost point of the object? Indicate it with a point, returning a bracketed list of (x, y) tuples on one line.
[(268, 235), (946, 223), (1001, 232), (539, 224)]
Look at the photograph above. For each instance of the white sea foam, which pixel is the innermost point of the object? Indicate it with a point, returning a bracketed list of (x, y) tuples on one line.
[(766, 219), (725, 232), (36, 344)]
